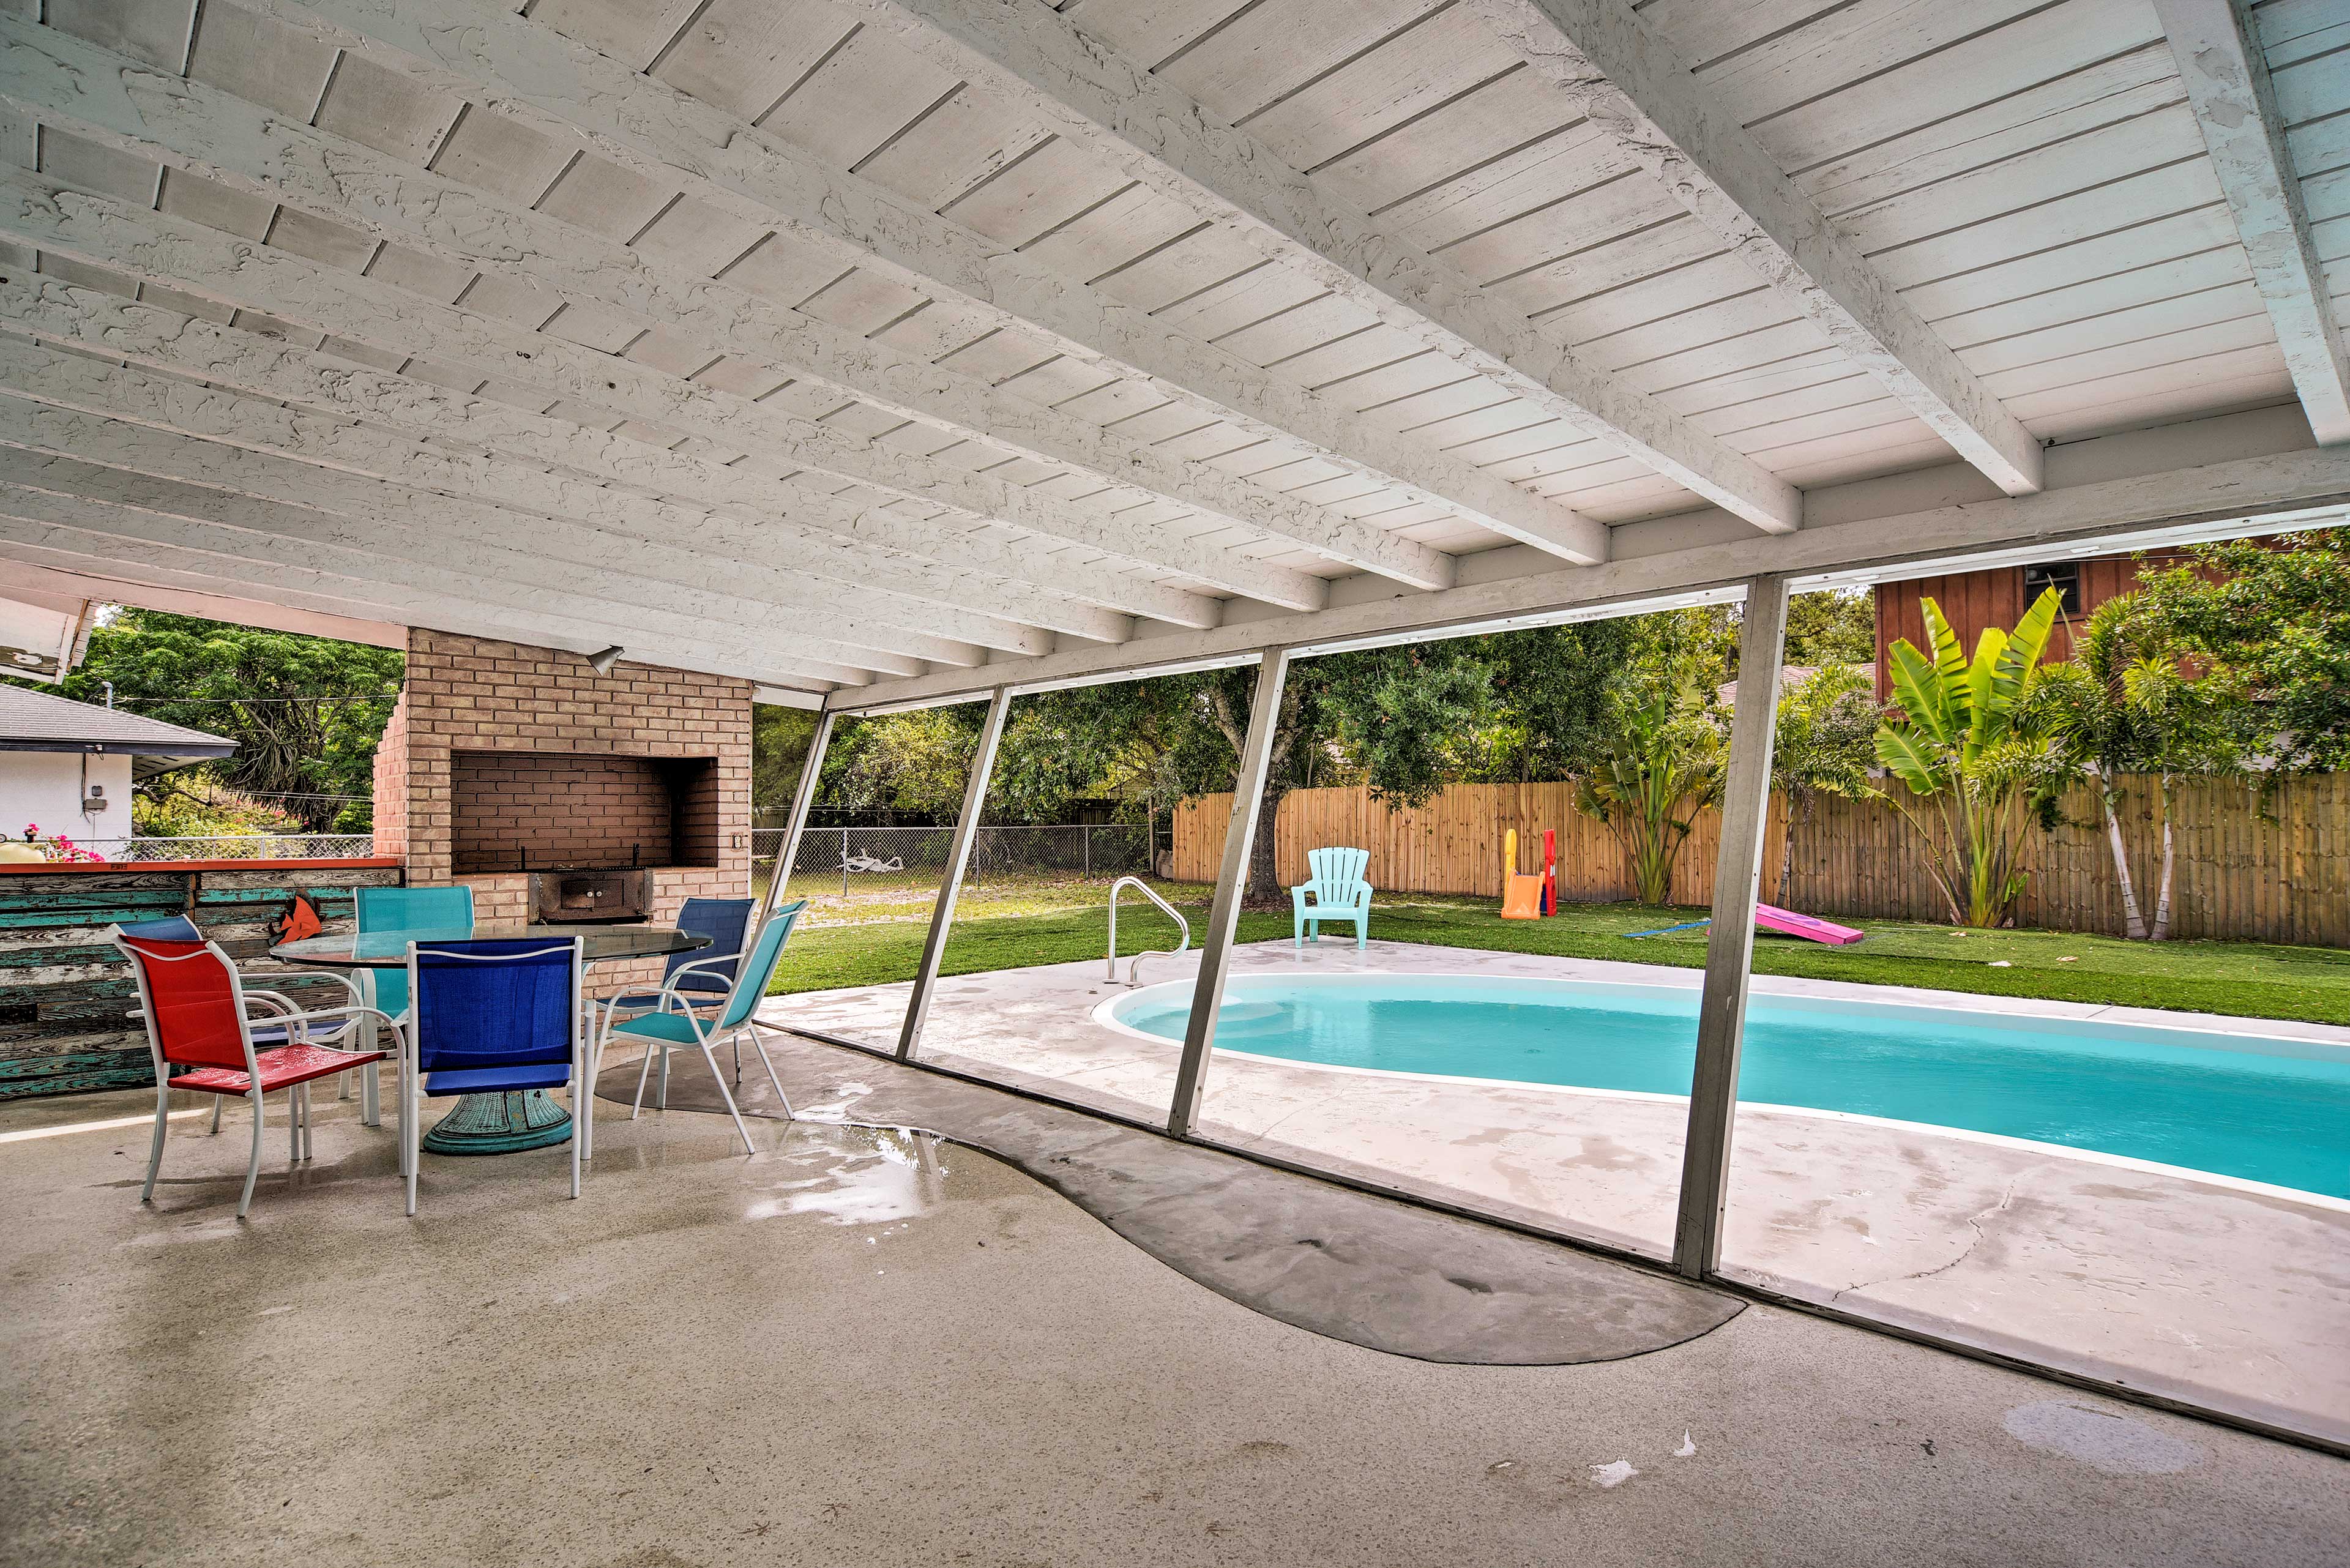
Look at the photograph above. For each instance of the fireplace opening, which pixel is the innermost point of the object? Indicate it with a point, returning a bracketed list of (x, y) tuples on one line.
[(590, 897), (578, 811)]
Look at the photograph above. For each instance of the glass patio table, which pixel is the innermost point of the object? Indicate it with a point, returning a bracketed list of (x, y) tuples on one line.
[(501, 1122)]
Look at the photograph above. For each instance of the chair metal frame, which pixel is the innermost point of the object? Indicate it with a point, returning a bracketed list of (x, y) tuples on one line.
[(283, 1014), (412, 1092), (614, 1012), (170, 929), (751, 976)]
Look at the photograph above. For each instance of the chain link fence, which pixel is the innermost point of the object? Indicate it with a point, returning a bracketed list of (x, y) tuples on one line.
[(846, 861), (239, 846)]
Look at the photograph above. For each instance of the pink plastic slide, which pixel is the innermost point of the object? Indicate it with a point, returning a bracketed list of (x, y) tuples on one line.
[(1788, 923)]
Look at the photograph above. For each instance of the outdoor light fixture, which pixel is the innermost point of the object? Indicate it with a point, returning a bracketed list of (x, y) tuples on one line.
[(601, 663)]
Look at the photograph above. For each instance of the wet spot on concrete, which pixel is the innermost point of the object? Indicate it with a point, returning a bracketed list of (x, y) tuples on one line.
[(2116, 1445), (1387, 1275)]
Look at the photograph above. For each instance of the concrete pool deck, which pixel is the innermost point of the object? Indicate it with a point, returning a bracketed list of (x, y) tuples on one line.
[(2220, 1295)]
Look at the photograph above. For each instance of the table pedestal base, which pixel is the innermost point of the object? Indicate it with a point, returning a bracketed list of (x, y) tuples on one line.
[(500, 1124)]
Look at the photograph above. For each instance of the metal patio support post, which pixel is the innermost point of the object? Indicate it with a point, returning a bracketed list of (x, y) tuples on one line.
[(935, 945), (1730, 944), (803, 796), (1232, 880)]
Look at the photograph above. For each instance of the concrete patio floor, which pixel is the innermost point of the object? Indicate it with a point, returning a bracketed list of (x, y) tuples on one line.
[(2216, 1296), (860, 1345)]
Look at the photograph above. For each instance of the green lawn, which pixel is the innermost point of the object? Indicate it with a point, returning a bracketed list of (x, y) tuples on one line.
[(2245, 978)]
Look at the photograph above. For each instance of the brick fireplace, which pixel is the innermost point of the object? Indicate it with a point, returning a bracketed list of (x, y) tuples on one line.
[(502, 759)]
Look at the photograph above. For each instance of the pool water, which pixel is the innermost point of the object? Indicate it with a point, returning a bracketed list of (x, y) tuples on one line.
[(2269, 1110)]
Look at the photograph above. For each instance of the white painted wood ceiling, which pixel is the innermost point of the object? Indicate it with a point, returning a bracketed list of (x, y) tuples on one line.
[(826, 343)]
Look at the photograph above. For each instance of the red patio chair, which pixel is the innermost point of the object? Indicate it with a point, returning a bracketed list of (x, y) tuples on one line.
[(199, 1018)]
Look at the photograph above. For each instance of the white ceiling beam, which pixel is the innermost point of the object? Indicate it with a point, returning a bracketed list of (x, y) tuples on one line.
[(45, 543), (1154, 133), (553, 569), (508, 65), (64, 315), (110, 100), (1625, 80), (642, 530), (2213, 500), (2227, 77), (102, 584), (41, 210), (90, 433), (422, 590), (54, 542)]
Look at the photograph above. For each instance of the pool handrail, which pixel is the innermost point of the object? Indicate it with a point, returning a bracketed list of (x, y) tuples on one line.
[(1134, 969)]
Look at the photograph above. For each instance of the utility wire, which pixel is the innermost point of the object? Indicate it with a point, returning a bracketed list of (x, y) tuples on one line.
[(255, 702)]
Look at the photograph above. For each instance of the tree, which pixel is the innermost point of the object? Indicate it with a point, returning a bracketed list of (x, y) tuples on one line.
[(916, 762), (305, 712), (1664, 768), (1825, 743), (780, 738), (2269, 620), (2128, 704), (1555, 698), (1975, 746), (1833, 625)]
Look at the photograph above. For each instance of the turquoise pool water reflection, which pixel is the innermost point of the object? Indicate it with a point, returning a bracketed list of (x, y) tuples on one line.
[(2269, 1110)]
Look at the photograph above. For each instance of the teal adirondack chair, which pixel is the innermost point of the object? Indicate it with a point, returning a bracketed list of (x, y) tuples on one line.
[(1338, 892)]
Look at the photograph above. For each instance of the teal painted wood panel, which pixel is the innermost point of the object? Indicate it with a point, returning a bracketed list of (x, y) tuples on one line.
[(64, 993)]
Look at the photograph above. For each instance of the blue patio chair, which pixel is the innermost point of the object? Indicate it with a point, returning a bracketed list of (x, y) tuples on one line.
[(496, 1017), (676, 1024), (391, 911), (1338, 892), (703, 978)]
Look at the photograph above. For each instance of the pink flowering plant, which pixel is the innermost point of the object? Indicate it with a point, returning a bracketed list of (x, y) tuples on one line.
[(59, 848)]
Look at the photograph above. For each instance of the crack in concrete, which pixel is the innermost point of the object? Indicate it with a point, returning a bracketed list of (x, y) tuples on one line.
[(1974, 1223)]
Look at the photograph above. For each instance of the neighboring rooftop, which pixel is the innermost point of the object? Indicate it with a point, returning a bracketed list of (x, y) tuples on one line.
[(37, 722)]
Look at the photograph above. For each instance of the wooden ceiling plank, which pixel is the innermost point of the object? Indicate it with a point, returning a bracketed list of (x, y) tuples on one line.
[(210, 133), (70, 221), (663, 544), (1158, 134), (510, 66), (1626, 79), (82, 544)]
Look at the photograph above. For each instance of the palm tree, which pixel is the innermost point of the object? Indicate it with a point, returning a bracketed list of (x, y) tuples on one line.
[(1660, 772), (1976, 746), (2127, 704)]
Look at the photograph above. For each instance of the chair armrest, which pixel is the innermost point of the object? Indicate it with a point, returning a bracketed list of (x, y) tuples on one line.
[(276, 1002), (1297, 896), (669, 991), (341, 1017)]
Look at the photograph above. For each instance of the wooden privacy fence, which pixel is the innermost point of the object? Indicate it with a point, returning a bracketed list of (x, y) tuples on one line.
[(2278, 875)]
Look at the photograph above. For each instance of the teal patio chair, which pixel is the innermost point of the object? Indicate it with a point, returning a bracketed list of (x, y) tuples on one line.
[(440, 910), (676, 1024), (1337, 892)]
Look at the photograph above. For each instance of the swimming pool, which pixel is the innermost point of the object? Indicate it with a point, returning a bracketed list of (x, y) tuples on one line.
[(2258, 1108)]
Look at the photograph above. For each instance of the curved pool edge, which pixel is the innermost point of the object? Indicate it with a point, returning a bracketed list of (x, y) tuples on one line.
[(1104, 1016)]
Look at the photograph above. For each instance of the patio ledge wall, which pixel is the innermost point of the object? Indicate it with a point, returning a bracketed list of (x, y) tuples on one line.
[(64, 993), (2277, 871)]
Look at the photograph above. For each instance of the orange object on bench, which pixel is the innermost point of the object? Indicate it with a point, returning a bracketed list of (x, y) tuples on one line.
[(1522, 899)]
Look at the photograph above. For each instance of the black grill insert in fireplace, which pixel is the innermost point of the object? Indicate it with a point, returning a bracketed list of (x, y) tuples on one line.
[(590, 897)]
